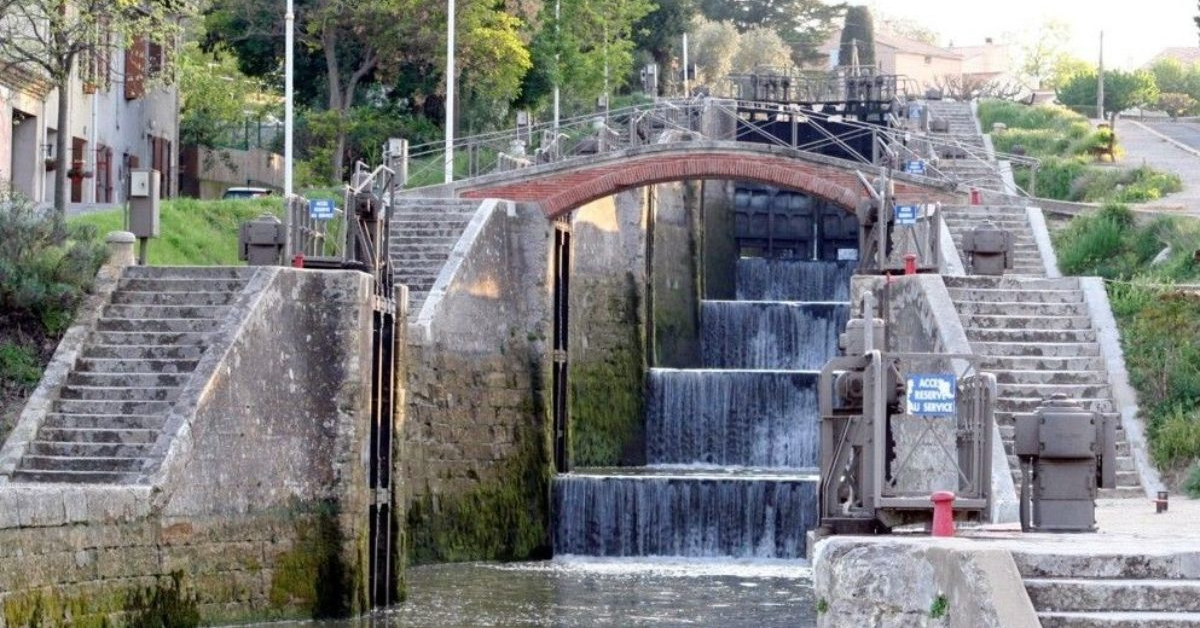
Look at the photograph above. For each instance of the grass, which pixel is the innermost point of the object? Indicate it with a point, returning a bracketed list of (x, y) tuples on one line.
[(192, 232), (1159, 323), (1063, 141)]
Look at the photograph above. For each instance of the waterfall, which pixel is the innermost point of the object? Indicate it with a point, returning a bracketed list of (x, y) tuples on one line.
[(733, 446)]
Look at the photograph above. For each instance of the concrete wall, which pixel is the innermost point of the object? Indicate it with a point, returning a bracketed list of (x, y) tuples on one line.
[(206, 173), (260, 505), (719, 241), (476, 444), (675, 273)]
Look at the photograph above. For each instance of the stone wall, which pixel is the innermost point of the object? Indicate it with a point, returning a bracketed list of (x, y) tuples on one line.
[(260, 510), (476, 444), (675, 272)]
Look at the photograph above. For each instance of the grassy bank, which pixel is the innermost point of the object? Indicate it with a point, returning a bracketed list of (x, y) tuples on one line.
[(1064, 141), (1159, 322)]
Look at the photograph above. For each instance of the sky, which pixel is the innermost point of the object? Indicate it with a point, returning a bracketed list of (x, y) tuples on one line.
[(1133, 31)]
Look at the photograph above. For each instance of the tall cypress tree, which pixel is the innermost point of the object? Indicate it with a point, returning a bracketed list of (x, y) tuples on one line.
[(859, 31)]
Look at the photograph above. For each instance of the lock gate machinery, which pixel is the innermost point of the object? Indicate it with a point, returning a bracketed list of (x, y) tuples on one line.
[(880, 465)]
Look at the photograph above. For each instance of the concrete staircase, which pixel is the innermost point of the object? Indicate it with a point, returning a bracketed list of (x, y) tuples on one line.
[(1112, 591), (129, 373), (970, 168), (1027, 260), (1036, 335), (423, 233)]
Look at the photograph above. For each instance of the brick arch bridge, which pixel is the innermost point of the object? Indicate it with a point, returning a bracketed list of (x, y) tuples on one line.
[(566, 185)]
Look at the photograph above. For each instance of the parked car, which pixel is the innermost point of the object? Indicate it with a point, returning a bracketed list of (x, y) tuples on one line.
[(243, 193)]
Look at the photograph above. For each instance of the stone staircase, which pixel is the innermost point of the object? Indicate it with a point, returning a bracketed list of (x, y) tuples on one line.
[(129, 373), (1036, 335), (1112, 591), (1027, 260), (969, 168), (423, 233)]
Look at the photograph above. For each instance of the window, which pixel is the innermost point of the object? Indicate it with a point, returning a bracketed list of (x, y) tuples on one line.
[(135, 69), (96, 66)]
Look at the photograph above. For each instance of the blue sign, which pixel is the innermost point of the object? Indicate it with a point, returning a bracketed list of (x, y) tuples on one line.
[(907, 214), (916, 166), (321, 209), (932, 395), (914, 111)]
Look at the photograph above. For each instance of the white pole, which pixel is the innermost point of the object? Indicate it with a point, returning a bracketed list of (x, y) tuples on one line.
[(289, 22), (1100, 79), (687, 85), (557, 79), (450, 91)]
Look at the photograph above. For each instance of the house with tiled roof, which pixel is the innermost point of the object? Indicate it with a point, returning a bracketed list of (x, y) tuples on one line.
[(1187, 55), (923, 63)]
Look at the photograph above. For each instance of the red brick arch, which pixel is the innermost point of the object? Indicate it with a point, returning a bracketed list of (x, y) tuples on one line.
[(560, 188)]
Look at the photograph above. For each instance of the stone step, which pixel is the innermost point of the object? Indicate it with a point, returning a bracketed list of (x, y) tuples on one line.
[(80, 406), (98, 435), (190, 272), (1030, 335), (1027, 321), (68, 477), (1013, 286), (1049, 377), (119, 393), (101, 422), (151, 337), (1158, 562), (433, 233), (180, 285), (1005, 295), (121, 450), (1045, 391), (1122, 492), (1031, 404), (1128, 619), (80, 463), (1036, 349), (130, 297), (159, 325), (117, 310), (151, 380), (141, 352), (167, 366)]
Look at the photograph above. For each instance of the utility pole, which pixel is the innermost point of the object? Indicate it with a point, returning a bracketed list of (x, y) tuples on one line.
[(687, 84), (289, 53), (1100, 79), (557, 77), (449, 91)]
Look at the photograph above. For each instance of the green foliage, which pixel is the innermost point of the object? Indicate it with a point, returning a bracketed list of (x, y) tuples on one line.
[(312, 575), (940, 607), (857, 32), (1191, 485), (217, 99), (46, 265), (822, 606), (193, 232), (165, 605), (1176, 104), (19, 364), (1042, 51), (1174, 77), (1122, 90), (805, 24)]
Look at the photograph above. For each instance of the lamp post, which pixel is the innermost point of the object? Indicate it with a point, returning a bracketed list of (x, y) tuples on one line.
[(289, 21), (449, 91), (557, 78)]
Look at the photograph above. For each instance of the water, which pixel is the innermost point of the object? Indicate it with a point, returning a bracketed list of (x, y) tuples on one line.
[(731, 446), (593, 593)]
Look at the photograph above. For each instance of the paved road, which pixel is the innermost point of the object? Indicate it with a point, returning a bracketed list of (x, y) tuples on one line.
[(1187, 133)]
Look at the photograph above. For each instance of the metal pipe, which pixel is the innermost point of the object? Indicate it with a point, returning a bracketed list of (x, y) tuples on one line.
[(449, 158), (289, 25)]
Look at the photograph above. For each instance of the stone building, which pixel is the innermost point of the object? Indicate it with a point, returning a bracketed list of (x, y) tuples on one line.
[(124, 114)]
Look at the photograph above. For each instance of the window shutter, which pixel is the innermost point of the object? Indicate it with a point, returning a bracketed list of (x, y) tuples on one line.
[(135, 70)]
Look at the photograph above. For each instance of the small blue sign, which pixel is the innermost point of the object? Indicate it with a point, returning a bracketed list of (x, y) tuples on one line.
[(914, 111), (932, 395), (907, 214), (916, 166), (321, 209)]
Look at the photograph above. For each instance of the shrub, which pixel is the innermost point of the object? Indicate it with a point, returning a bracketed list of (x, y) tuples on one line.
[(1191, 485), (1175, 436), (46, 265)]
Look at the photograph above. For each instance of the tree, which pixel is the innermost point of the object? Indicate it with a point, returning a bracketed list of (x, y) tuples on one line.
[(909, 29), (803, 24), (216, 97), (51, 38), (1122, 90), (858, 36), (1175, 104), (1043, 51), (716, 43), (971, 86), (660, 33), (760, 47), (1066, 67)]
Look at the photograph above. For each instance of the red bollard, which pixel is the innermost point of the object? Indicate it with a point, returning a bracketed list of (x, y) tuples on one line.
[(910, 264), (976, 196), (943, 513), (298, 261)]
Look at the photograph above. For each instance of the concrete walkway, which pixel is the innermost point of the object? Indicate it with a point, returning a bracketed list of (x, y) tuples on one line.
[(1144, 145)]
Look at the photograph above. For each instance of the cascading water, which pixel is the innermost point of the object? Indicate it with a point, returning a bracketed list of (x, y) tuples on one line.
[(733, 447)]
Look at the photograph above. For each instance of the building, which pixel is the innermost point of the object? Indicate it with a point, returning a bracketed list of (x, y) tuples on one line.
[(1185, 55), (925, 65), (124, 114)]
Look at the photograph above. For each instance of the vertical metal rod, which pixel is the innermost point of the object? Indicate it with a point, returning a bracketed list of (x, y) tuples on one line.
[(289, 24), (449, 92), (687, 83)]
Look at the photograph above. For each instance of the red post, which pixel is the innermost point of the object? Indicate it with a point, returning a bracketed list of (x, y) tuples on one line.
[(298, 261), (943, 513), (976, 196), (910, 264)]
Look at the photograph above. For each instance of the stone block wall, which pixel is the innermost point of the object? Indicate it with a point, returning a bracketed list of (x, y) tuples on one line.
[(260, 510)]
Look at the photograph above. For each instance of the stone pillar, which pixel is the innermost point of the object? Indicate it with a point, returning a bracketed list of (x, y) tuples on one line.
[(120, 248)]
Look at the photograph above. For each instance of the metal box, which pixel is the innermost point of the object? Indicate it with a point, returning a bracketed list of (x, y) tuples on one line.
[(1065, 435), (144, 188), (260, 241)]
